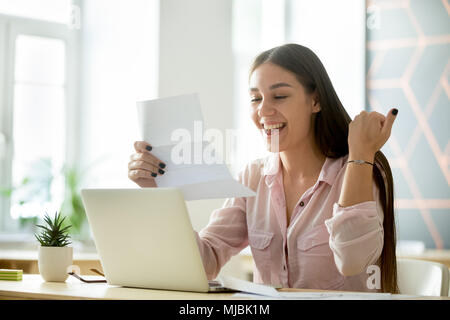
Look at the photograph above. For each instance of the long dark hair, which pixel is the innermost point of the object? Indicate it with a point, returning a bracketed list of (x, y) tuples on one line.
[(331, 134)]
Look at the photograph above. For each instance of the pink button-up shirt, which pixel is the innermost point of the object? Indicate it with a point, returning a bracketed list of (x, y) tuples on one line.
[(325, 246)]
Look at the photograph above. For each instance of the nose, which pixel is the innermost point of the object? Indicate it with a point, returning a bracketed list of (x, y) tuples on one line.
[(265, 109)]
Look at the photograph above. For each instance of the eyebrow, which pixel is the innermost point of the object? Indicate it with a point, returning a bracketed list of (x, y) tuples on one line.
[(274, 86)]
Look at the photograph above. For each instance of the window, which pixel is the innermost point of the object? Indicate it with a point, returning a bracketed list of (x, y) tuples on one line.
[(37, 48), (47, 10), (38, 128)]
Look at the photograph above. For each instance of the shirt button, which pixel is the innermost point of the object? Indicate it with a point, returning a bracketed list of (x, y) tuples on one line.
[(302, 203)]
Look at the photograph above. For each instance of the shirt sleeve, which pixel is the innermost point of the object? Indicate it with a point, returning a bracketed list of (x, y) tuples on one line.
[(225, 235), (356, 235)]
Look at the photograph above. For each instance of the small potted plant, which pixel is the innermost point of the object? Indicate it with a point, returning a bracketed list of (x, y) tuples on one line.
[(55, 256)]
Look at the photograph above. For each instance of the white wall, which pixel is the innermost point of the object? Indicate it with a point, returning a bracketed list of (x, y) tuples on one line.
[(195, 56), (335, 31), (119, 63)]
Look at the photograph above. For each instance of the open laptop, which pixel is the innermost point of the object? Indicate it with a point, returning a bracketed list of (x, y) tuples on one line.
[(145, 239)]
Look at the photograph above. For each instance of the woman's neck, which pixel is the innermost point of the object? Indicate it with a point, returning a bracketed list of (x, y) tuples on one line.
[(302, 162)]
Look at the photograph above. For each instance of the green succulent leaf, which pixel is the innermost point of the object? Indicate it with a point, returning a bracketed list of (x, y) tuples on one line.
[(53, 234)]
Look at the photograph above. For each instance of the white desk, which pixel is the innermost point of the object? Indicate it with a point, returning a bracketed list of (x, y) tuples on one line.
[(33, 287)]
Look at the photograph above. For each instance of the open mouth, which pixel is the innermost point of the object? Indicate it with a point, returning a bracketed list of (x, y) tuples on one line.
[(274, 129)]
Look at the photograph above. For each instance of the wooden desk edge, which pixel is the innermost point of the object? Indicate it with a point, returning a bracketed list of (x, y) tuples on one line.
[(18, 295), (24, 295)]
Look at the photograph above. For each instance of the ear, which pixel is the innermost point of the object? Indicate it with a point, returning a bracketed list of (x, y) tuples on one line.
[(316, 104)]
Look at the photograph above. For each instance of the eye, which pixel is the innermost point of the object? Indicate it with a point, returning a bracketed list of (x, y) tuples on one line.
[(255, 99), (280, 97)]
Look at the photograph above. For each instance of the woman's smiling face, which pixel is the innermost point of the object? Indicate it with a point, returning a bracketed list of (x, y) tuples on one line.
[(280, 107)]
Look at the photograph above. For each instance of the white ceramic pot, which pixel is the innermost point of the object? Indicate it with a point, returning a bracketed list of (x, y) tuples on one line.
[(53, 263)]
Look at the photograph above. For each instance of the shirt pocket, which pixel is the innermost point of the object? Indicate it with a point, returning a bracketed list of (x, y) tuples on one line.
[(316, 260), (260, 245)]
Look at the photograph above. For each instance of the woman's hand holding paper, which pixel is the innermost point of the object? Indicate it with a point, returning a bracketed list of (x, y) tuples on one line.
[(144, 167)]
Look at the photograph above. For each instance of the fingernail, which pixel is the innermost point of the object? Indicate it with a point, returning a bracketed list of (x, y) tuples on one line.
[(148, 148), (161, 171), (394, 112), (154, 174), (162, 165)]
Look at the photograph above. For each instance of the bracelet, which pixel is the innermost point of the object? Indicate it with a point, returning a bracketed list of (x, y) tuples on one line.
[(360, 162)]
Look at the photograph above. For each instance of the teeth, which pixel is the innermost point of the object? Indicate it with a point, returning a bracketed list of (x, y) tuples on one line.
[(273, 126)]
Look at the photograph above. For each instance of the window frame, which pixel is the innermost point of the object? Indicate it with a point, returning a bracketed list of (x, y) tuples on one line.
[(10, 28)]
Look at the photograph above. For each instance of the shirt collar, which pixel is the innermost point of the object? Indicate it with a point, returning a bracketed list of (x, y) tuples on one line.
[(328, 173)]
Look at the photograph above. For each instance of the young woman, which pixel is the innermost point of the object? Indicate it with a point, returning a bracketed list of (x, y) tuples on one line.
[(323, 213)]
